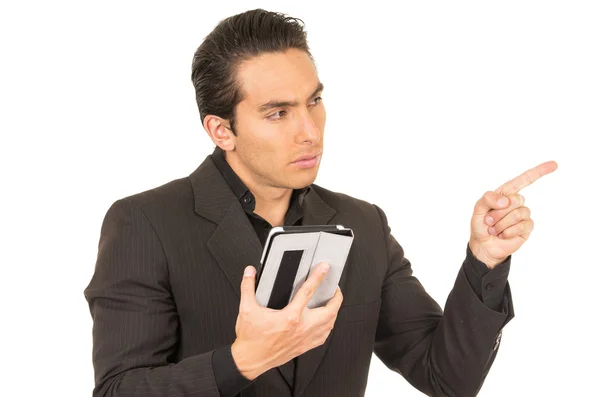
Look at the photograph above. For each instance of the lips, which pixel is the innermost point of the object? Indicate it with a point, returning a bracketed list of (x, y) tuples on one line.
[(306, 157), (307, 161)]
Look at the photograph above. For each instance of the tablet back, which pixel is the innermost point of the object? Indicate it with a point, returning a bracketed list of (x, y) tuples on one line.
[(292, 256)]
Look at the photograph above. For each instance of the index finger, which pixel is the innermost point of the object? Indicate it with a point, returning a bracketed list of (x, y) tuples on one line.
[(307, 290), (331, 308), (527, 178)]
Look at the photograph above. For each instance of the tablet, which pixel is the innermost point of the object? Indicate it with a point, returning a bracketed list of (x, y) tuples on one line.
[(290, 255)]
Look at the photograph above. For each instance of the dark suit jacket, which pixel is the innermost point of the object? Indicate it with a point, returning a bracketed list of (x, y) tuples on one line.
[(166, 289)]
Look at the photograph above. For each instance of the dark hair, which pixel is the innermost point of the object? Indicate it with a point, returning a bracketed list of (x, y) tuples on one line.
[(234, 40)]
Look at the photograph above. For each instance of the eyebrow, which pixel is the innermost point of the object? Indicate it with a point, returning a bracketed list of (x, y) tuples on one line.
[(280, 104)]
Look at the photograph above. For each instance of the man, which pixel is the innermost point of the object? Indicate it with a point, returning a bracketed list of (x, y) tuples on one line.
[(172, 296)]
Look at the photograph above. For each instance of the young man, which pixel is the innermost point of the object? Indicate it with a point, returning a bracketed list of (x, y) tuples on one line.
[(172, 296)]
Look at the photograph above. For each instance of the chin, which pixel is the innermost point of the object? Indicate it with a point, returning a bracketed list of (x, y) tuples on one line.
[(301, 182)]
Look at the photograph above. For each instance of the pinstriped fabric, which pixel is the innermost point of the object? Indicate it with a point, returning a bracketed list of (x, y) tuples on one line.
[(165, 295), (135, 317)]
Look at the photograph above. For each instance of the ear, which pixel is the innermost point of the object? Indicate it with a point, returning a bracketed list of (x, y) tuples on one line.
[(218, 130)]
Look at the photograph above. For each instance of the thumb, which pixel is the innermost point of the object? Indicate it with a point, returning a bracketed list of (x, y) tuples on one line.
[(248, 297), (490, 201)]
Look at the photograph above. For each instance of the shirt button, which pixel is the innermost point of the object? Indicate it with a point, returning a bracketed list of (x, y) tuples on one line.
[(488, 287), (247, 200)]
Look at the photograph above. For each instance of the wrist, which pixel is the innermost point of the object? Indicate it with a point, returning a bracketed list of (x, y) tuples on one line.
[(481, 256), (245, 360)]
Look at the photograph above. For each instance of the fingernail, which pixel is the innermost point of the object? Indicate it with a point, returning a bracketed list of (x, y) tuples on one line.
[(491, 230), (489, 220), (249, 272), (324, 267), (503, 201)]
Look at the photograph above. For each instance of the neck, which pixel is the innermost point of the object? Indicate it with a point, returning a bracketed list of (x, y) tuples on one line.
[(271, 202)]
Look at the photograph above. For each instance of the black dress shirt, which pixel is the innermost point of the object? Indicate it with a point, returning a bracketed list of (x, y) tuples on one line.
[(488, 285)]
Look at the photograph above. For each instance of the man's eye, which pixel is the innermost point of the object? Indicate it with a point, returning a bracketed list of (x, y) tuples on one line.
[(316, 101), (277, 115)]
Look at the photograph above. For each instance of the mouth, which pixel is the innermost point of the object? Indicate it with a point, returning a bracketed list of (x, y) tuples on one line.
[(307, 161)]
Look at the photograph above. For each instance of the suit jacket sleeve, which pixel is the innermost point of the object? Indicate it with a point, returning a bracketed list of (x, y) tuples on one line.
[(135, 321), (441, 353)]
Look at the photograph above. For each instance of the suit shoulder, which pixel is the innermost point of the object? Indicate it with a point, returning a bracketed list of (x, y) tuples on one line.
[(173, 194)]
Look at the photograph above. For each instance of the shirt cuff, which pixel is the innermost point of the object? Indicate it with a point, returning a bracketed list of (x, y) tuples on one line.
[(488, 285), (229, 379)]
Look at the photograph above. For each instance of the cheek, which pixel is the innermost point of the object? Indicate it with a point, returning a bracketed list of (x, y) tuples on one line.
[(268, 151), (270, 147)]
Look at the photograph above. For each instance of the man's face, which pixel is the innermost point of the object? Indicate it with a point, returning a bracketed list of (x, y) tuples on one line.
[(280, 119)]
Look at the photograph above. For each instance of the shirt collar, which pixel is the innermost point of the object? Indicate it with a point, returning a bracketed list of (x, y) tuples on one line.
[(241, 191)]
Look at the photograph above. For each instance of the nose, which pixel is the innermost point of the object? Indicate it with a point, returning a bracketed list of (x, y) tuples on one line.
[(309, 133)]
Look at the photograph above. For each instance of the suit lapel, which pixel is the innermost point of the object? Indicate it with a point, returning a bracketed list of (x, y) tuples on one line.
[(234, 245)]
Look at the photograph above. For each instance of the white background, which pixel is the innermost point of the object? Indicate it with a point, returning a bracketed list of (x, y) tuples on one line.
[(429, 105)]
